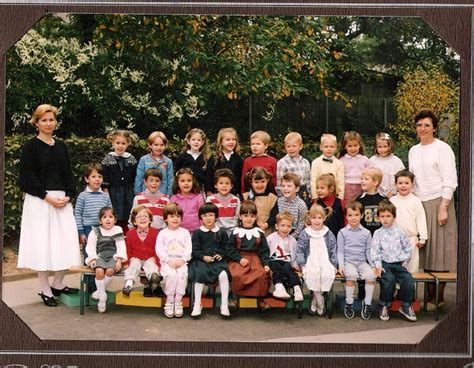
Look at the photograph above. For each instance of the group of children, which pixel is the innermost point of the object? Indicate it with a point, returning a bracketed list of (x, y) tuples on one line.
[(187, 221)]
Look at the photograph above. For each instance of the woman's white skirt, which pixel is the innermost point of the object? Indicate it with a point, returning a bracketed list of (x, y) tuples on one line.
[(48, 237)]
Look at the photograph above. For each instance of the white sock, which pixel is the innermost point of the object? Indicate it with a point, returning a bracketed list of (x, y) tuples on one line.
[(318, 297), (350, 294), (100, 286), (369, 292), (44, 283), (224, 286), (107, 280), (58, 280), (129, 283), (198, 292)]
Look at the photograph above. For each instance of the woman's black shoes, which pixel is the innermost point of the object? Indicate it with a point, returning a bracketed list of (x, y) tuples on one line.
[(49, 301), (65, 290)]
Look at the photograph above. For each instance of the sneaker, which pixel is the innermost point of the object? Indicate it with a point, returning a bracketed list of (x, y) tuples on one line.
[(102, 305), (95, 296), (263, 306), (178, 309), (408, 313), (233, 305), (313, 307), (298, 294), (320, 309), (280, 292), (384, 315), (169, 309), (349, 311), (366, 311), (430, 305), (154, 281), (196, 310), (127, 289)]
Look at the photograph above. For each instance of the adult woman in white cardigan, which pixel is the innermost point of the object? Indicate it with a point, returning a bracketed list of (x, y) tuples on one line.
[(433, 163)]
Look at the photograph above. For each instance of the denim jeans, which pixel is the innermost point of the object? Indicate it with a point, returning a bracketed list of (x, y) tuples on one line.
[(393, 273)]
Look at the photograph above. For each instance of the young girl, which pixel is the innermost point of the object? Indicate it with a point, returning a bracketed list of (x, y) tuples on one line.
[(326, 191), (195, 156), (157, 143), (208, 264), (227, 157), (141, 241), (187, 195), (354, 160), (249, 256), (119, 175), (106, 251), (316, 257), (266, 202), (384, 160), (173, 247)]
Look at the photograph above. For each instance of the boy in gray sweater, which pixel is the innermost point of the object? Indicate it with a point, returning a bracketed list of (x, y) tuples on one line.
[(353, 256)]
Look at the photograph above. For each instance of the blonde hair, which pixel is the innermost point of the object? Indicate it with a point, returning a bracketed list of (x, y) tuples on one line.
[(285, 215), (204, 148), (294, 136), (317, 210), (351, 136), (157, 134), (261, 135), (40, 111), (120, 133), (220, 137), (329, 180), (136, 210), (384, 137), (328, 137), (374, 173)]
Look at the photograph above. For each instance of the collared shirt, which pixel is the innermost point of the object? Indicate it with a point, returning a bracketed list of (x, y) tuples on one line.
[(353, 167), (390, 244), (297, 207), (298, 165)]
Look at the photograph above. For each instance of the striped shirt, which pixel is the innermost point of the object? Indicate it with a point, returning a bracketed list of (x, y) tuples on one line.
[(297, 208), (298, 165), (156, 203), (228, 210), (88, 206)]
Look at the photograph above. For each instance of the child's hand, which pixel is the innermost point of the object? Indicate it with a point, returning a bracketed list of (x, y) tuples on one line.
[(178, 263), (341, 271), (83, 239), (118, 265), (92, 263), (208, 259), (420, 245), (244, 262), (297, 268), (267, 269), (378, 271), (217, 257), (262, 225)]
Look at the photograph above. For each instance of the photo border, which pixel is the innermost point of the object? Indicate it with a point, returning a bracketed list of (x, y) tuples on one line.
[(448, 344)]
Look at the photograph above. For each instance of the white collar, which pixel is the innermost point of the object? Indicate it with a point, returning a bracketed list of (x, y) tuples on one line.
[(89, 190), (124, 155), (248, 233), (206, 230), (194, 154), (317, 233), (227, 155)]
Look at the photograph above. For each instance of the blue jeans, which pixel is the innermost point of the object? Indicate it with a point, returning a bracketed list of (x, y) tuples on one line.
[(395, 272)]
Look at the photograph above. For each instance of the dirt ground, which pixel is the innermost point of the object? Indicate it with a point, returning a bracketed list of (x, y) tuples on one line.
[(10, 258)]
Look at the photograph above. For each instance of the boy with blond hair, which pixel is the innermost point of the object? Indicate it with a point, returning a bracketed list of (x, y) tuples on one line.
[(370, 180), (327, 163), (293, 162), (259, 142)]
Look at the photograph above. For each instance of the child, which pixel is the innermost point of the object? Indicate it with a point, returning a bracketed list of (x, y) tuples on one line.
[(88, 204), (249, 256), (106, 252), (354, 160), (119, 175), (187, 194), (353, 258), (141, 241), (390, 250), (208, 264), (327, 163), (194, 156), (295, 163), (157, 143), (316, 257), (259, 142), (266, 202), (282, 258), (173, 247), (227, 157), (384, 160), (370, 180), (152, 198), (290, 184), (325, 190), (227, 203), (411, 216)]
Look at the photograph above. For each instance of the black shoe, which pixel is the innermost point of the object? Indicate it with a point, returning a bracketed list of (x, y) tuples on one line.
[(158, 292), (147, 293), (49, 301), (127, 290), (65, 290), (366, 311), (349, 311)]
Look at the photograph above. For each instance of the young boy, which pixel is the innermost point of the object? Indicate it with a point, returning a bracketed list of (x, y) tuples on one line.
[(227, 203), (353, 257), (88, 204), (390, 250), (370, 199), (293, 162), (282, 258), (259, 142), (152, 198), (290, 184), (327, 163), (411, 216)]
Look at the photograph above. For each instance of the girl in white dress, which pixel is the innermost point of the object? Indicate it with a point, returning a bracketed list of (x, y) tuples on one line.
[(316, 257)]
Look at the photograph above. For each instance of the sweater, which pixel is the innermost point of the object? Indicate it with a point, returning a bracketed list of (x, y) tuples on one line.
[(411, 217), (198, 166), (353, 245), (88, 206), (156, 203), (228, 207), (389, 166), (269, 163), (320, 166), (390, 245), (353, 166), (234, 164), (190, 205), (142, 249), (166, 167)]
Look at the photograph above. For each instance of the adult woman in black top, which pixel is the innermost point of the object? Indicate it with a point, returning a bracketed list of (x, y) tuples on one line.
[(48, 238)]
